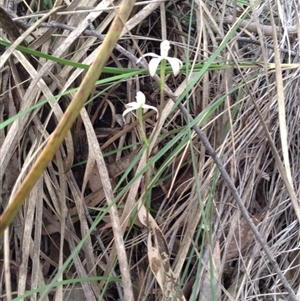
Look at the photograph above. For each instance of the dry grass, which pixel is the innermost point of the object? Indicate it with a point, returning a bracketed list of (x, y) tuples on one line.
[(249, 111)]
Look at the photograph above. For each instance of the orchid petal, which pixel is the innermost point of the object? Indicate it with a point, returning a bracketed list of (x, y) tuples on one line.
[(175, 63), (140, 99), (127, 111), (147, 54), (153, 64), (150, 107), (132, 106), (164, 49)]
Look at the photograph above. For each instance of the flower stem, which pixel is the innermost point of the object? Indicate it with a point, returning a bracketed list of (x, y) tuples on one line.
[(141, 122), (162, 85), (146, 199)]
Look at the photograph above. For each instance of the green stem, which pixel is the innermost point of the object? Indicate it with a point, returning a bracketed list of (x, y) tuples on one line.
[(141, 122), (146, 199), (162, 85)]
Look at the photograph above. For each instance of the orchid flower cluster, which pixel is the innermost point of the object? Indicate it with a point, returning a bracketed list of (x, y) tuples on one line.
[(140, 104), (176, 65)]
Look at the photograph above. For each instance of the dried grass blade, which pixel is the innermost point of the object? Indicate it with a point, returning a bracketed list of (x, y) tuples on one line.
[(282, 120), (158, 255), (28, 228), (116, 224)]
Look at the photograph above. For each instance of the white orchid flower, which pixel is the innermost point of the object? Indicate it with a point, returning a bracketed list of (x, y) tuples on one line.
[(140, 103), (175, 63)]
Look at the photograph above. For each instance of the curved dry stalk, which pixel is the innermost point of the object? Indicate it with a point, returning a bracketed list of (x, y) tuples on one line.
[(61, 130), (282, 123)]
